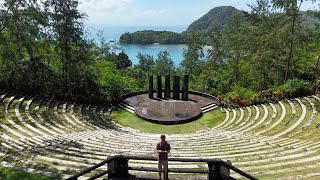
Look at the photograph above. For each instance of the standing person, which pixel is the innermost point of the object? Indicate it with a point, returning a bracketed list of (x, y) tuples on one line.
[(163, 148)]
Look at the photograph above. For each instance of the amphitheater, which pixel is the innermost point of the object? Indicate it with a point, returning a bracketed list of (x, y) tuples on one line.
[(279, 140)]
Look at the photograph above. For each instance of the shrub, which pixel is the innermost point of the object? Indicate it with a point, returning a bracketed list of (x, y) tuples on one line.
[(240, 96), (295, 87), (317, 85), (215, 92), (12, 174)]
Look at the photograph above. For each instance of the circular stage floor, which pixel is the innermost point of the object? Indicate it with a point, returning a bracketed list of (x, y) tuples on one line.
[(168, 111)]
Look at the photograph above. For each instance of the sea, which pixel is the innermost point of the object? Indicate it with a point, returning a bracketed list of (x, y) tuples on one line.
[(112, 35)]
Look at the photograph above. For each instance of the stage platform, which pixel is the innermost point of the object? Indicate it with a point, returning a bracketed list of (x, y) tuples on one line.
[(168, 111)]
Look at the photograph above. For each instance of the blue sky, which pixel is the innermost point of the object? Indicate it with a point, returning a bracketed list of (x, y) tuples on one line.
[(157, 12)]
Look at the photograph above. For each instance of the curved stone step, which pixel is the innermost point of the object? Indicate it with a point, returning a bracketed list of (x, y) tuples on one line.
[(23, 122), (245, 121), (265, 115), (273, 115), (241, 117), (246, 148), (250, 122), (127, 107), (303, 115), (283, 114), (48, 127), (225, 120), (312, 117), (209, 107), (231, 121), (293, 111)]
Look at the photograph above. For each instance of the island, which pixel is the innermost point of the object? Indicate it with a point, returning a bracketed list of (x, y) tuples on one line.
[(153, 37)]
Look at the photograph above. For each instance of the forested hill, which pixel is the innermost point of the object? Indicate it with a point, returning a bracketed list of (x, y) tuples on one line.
[(151, 37), (218, 17), (215, 18)]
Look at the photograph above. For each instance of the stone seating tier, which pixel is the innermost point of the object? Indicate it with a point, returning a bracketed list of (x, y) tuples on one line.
[(63, 135)]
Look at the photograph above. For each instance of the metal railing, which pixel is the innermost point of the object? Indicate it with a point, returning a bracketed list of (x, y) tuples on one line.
[(118, 168)]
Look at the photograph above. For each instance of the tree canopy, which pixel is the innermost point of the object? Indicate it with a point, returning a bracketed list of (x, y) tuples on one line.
[(269, 51), (151, 37)]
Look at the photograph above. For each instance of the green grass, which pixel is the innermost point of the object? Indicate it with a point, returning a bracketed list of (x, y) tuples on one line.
[(12, 174), (245, 116), (261, 114), (248, 123), (237, 117), (262, 125), (278, 115), (254, 163), (281, 126), (208, 120), (300, 172), (303, 123)]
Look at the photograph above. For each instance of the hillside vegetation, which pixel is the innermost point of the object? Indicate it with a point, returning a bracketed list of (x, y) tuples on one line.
[(276, 53), (271, 51), (151, 37), (216, 18)]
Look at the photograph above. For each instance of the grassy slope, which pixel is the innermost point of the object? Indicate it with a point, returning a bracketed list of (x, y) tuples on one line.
[(12, 174), (208, 120)]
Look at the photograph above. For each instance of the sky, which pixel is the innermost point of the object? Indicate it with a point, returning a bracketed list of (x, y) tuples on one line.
[(158, 12)]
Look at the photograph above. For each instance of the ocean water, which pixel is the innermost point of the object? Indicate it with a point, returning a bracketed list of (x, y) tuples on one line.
[(113, 33)]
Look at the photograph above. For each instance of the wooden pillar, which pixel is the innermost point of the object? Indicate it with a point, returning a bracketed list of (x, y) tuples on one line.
[(159, 87), (176, 87), (214, 171), (185, 88), (150, 86), (225, 172), (118, 169), (217, 171), (167, 89)]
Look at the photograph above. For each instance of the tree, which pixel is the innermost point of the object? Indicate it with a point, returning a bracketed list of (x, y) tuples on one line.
[(66, 26), (112, 82), (146, 62), (123, 61), (315, 46), (22, 26), (164, 64), (234, 44), (292, 9), (150, 37), (139, 78), (264, 45), (193, 55)]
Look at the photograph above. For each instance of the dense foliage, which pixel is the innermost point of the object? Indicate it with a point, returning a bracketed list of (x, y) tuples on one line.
[(269, 54), (216, 18), (151, 37), (44, 51)]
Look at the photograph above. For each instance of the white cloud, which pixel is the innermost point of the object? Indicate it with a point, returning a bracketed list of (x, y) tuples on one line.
[(104, 6), (102, 11), (151, 13), (1, 3), (309, 5)]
